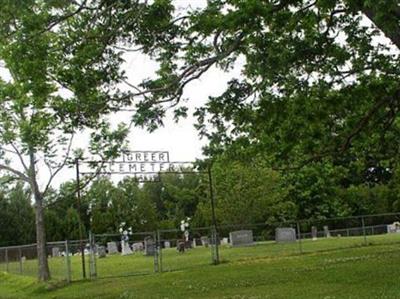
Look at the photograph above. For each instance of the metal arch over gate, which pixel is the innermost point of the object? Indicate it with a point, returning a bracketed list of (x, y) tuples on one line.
[(145, 166)]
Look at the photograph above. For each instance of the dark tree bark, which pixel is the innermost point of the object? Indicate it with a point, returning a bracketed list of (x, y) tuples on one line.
[(44, 272)]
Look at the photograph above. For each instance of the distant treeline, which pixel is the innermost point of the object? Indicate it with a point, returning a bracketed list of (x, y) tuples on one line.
[(244, 192)]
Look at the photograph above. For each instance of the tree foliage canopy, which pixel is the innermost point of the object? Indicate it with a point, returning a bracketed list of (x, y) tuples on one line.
[(318, 78)]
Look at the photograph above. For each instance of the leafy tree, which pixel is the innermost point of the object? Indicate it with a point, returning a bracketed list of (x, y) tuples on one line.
[(16, 216), (318, 78), (71, 225), (102, 197), (316, 191), (61, 78), (246, 193)]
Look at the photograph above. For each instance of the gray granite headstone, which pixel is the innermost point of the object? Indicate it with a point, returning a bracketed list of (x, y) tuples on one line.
[(327, 233), (101, 251), (149, 246), (241, 238), (205, 241), (285, 234), (138, 246), (55, 252), (112, 247), (314, 232)]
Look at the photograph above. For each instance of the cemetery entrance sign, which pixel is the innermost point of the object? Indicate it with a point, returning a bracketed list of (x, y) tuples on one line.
[(145, 166)]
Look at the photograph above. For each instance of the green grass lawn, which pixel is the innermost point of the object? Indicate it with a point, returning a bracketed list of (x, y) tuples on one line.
[(328, 268)]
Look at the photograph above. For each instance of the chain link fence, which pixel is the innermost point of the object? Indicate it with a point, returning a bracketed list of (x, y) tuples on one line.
[(112, 255), (63, 260)]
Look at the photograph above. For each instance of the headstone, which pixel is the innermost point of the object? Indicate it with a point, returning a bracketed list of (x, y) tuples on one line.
[(314, 233), (101, 251), (241, 238), (224, 241), (167, 244), (125, 248), (186, 234), (138, 246), (327, 233), (55, 252), (188, 244), (181, 246), (198, 242), (112, 247), (205, 241), (285, 234), (393, 228), (149, 246), (194, 243)]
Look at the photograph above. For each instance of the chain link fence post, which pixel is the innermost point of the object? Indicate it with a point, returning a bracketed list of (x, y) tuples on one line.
[(159, 244), (7, 266), (92, 256), (299, 238), (156, 268), (214, 246), (363, 228), (67, 261), (20, 260)]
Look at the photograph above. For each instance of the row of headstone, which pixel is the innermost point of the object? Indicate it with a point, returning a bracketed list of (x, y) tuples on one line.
[(148, 247), (314, 232), (289, 234)]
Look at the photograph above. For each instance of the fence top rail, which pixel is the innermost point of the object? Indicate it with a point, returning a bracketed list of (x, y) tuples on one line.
[(72, 242), (119, 235), (348, 217), (18, 246), (194, 229), (56, 243)]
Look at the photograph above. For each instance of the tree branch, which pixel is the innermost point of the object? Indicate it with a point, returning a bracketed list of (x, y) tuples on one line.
[(393, 35), (60, 167), (19, 174)]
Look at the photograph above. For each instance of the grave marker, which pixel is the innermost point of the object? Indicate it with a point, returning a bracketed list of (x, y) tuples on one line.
[(55, 252), (149, 246), (112, 247), (285, 234), (314, 233), (327, 233), (241, 238)]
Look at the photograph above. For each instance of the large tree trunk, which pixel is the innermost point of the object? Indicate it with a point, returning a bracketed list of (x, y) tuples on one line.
[(44, 272)]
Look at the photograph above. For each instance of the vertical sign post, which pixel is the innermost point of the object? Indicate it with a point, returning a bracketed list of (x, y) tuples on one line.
[(78, 196), (215, 231)]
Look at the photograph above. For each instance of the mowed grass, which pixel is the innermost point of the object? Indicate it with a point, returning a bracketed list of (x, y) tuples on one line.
[(327, 268)]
